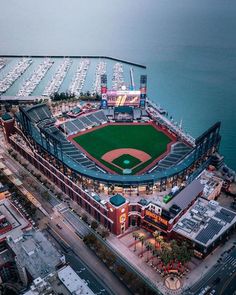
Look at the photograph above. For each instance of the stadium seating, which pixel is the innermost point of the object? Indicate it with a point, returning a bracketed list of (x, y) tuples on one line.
[(41, 116), (39, 113), (84, 122), (178, 151)]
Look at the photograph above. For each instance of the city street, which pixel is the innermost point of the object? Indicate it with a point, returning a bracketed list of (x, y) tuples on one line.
[(221, 277), (97, 275), (87, 271)]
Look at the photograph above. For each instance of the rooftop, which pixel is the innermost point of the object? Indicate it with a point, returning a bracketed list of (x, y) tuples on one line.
[(117, 200), (6, 117), (187, 195), (36, 254), (73, 282), (48, 285), (205, 221), (6, 256), (210, 182), (14, 217)]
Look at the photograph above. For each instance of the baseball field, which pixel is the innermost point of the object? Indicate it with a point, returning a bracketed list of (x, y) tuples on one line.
[(124, 148)]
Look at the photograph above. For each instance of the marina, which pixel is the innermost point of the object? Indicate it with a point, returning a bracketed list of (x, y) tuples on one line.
[(63, 74), (118, 77), (31, 83), (58, 78), (100, 70), (77, 84), (14, 74), (3, 62)]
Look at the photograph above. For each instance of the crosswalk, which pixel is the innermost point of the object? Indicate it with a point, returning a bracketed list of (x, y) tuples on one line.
[(230, 264), (230, 260)]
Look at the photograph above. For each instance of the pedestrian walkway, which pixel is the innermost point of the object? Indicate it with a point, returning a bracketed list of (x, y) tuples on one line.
[(198, 272), (137, 262)]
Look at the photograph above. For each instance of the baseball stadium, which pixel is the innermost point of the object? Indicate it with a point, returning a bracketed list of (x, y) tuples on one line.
[(116, 159)]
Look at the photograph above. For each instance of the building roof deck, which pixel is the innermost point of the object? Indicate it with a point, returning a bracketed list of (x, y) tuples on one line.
[(205, 221), (36, 254), (73, 282), (14, 217)]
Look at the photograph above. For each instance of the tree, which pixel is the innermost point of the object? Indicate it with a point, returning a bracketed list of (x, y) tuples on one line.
[(136, 236), (175, 250), (46, 195), (90, 239), (111, 259), (94, 225), (102, 251), (121, 270), (105, 233), (85, 218), (141, 239), (129, 277), (185, 253), (149, 247), (166, 256), (155, 235), (156, 253), (159, 239)]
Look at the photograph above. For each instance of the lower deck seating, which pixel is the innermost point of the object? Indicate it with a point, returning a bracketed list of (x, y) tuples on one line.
[(83, 122), (178, 151)]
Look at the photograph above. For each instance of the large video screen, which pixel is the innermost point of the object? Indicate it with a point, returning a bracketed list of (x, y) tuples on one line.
[(123, 97)]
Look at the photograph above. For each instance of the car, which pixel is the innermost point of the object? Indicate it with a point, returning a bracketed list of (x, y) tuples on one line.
[(58, 225), (212, 292), (217, 280)]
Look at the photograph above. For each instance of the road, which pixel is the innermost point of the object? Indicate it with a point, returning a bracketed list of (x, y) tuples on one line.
[(98, 270), (82, 269), (221, 277), (98, 276)]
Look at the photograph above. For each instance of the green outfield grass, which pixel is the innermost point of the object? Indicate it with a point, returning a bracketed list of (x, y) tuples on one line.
[(141, 137)]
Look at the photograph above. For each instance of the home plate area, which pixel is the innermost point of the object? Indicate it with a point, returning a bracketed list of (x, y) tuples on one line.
[(126, 159)]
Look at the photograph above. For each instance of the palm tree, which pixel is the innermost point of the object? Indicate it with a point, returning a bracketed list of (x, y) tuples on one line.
[(156, 253), (166, 256), (136, 236), (175, 249), (141, 239), (155, 235), (158, 238), (185, 253), (149, 247), (164, 245)]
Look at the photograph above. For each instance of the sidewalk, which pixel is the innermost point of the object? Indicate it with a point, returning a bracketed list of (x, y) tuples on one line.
[(207, 264), (137, 262), (198, 271)]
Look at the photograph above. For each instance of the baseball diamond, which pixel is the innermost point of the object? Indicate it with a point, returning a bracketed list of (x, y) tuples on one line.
[(118, 147)]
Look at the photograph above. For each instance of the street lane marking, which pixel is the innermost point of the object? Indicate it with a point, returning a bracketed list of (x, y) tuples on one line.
[(226, 284)]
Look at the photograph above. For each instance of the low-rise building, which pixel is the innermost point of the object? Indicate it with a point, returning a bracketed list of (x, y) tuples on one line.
[(73, 282), (34, 256), (212, 184), (205, 225)]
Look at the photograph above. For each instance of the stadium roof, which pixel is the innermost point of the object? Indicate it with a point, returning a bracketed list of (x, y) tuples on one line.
[(117, 200)]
